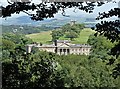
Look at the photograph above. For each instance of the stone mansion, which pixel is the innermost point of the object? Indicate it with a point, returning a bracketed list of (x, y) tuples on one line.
[(62, 47)]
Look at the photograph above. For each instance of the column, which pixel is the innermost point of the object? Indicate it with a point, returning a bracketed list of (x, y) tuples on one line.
[(29, 49), (65, 51), (60, 51)]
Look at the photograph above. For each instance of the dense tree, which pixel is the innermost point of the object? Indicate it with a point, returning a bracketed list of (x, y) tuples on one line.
[(19, 73), (75, 27), (7, 44), (67, 31), (47, 11), (23, 29), (23, 70), (7, 47), (17, 38), (71, 35), (43, 10), (56, 34), (84, 72), (43, 69), (111, 30), (32, 71), (101, 48)]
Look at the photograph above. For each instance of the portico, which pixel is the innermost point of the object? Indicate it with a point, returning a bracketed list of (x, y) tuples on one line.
[(63, 51)]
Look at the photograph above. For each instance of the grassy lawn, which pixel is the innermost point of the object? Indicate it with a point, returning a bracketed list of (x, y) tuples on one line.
[(83, 37), (45, 37)]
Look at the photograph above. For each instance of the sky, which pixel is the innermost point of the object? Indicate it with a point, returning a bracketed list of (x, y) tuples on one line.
[(70, 12)]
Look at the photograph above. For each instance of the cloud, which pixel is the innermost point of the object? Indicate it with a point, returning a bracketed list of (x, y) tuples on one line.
[(3, 2)]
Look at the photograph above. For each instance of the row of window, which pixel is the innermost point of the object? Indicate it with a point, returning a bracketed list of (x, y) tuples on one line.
[(80, 49)]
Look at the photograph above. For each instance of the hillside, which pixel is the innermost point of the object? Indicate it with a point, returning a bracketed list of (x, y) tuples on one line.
[(45, 37), (50, 22), (23, 29)]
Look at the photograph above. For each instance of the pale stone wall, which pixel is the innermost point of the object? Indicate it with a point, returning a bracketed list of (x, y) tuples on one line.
[(80, 51), (62, 48), (48, 49), (29, 47)]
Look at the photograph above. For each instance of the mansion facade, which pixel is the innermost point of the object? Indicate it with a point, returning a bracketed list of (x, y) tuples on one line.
[(62, 47)]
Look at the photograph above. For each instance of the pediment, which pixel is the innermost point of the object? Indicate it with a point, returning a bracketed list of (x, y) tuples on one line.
[(64, 45)]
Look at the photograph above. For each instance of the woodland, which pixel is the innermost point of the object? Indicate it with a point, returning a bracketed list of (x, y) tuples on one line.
[(100, 69)]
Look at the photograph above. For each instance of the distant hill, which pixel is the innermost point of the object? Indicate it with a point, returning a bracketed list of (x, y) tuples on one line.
[(23, 29), (51, 22)]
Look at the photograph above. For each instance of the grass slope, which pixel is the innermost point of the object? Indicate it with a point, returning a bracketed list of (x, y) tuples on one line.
[(84, 36), (45, 37)]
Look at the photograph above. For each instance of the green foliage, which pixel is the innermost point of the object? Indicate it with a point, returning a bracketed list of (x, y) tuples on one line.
[(76, 28), (7, 44), (71, 35), (100, 47), (7, 47), (46, 37), (17, 38), (56, 34), (67, 31), (84, 72), (23, 29), (35, 70), (99, 77), (32, 71), (12, 43), (44, 69)]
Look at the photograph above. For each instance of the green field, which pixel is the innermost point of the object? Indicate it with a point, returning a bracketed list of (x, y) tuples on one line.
[(45, 37)]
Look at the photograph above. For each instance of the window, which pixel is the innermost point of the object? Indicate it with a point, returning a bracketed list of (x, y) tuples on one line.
[(83, 49), (60, 50), (64, 50)]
